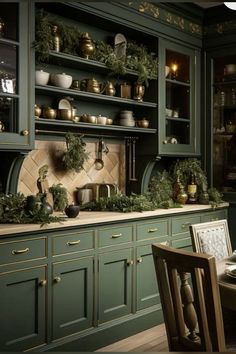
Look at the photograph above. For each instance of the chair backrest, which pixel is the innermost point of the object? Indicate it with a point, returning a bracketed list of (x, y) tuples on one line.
[(212, 238), (190, 299)]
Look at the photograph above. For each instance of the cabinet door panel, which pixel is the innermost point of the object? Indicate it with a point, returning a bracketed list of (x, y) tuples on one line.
[(22, 308), (147, 289), (115, 272), (72, 296)]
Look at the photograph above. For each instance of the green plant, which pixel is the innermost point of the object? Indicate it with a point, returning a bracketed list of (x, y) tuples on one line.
[(13, 211), (215, 197), (60, 199), (160, 190), (185, 167), (75, 154)]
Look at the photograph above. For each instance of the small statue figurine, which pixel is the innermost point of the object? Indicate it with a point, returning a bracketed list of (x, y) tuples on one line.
[(43, 185)]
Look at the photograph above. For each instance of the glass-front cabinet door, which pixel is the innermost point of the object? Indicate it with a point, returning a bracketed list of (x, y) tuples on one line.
[(178, 100), (14, 95), (224, 122)]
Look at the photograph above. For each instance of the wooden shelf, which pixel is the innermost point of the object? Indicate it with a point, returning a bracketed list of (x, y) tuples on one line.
[(44, 125), (88, 96), (176, 82)]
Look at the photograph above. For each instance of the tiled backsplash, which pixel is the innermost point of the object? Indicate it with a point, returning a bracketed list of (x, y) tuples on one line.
[(50, 153)]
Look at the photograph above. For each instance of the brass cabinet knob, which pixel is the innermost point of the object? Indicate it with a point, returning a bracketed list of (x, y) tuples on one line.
[(43, 282), (139, 260), (57, 279), (164, 142), (25, 132), (130, 262)]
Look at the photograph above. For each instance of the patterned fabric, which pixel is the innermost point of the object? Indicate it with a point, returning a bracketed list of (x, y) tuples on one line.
[(213, 242)]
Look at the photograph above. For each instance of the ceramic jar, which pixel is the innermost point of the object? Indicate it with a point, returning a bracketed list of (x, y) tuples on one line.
[(62, 80), (41, 77), (101, 119), (127, 119)]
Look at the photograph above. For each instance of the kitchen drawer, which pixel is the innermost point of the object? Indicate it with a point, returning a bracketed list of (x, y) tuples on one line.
[(73, 242), (214, 216), (115, 235), (185, 243), (23, 250), (149, 230), (181, 225)]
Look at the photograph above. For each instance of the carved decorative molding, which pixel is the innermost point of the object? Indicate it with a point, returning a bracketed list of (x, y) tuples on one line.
[(166, 17)]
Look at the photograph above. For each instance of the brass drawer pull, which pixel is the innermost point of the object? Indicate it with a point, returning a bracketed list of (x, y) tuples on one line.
[(57, 279), (130, 262), (152, 230), (43, 282), (185, 224), (139, 260), (20, 251), (116, 235), (72, 243)]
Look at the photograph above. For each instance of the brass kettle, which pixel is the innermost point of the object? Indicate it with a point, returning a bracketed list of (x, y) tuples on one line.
[(91, 85)]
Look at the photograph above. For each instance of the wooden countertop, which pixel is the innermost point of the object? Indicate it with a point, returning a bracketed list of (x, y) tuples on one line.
[(87, 218)]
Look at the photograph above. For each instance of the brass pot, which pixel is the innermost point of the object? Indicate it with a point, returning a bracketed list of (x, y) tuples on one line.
[(50, 113), (143, 123), (86, 45), (37, 110), (67, 114)]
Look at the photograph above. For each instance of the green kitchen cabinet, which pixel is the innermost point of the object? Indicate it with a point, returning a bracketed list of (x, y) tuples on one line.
[(179, 99), (72, 296), (23, 308), (115, 284), (147, 289), (16, 128)]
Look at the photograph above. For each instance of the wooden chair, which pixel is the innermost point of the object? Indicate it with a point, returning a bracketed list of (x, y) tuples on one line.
[(192, 314), (212, 238)]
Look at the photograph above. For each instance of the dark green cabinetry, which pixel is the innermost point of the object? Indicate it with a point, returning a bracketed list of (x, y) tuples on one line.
[(60, 289), (147, 291), (72, 296), (179, 94), (23, 308), (115, 284), (15, 98)]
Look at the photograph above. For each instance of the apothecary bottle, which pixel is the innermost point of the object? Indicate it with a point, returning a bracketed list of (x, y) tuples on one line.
[(192, 190)]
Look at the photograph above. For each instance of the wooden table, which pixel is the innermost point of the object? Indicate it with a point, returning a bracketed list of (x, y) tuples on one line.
[(227, 284)]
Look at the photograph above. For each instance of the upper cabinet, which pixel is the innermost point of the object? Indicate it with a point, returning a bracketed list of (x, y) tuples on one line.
[(88, 88), (179, 94), (15, 120), (223, 125)]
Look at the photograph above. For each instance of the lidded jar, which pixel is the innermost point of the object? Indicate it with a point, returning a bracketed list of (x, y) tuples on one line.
[(127, 119)]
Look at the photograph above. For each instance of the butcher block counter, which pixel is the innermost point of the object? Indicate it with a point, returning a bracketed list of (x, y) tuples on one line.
[(86, 218), (77, 284)]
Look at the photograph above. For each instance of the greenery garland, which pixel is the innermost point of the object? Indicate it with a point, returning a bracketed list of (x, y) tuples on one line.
[(13, 210), (137, 56)]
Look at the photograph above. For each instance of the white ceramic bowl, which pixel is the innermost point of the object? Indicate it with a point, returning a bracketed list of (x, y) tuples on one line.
[(41, 77), (62, 80)]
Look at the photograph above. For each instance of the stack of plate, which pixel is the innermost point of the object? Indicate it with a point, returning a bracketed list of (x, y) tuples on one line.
[(231, 271)]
